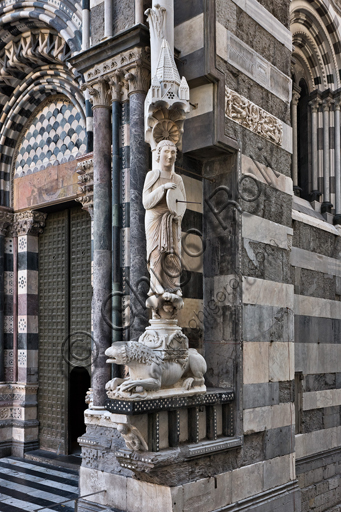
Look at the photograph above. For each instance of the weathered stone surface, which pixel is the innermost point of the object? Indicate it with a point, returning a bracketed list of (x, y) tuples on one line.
[(97, 23)]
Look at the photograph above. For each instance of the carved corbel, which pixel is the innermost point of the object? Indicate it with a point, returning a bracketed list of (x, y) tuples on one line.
[(99, 93), (156, 20), (29, 223), (6, 220), (85, 171)]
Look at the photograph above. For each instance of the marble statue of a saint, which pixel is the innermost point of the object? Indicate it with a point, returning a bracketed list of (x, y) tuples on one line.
[(163, 226)]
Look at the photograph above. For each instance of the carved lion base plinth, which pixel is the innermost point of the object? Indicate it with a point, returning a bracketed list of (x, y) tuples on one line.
[(160, 364)]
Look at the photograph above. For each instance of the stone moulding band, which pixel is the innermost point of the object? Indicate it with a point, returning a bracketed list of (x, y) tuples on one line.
[(163, 404), (254, 118)]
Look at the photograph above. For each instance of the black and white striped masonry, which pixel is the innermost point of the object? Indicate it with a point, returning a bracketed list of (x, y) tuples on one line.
[(29, 485)]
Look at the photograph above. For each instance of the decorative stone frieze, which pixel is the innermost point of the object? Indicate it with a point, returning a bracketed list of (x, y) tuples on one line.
[(124, 63), (6, 219), (254, 118), (85, 171), (29, 222)]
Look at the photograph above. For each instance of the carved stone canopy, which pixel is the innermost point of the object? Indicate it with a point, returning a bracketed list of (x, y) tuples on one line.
[(29, 222)]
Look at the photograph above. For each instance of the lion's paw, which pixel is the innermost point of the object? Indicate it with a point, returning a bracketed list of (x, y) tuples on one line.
[(188, 383), (112, 384)]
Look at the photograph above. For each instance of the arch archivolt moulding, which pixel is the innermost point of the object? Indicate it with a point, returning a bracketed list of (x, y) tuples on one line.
[(304, 33), (301, 11), (309, 77), (62, 15)]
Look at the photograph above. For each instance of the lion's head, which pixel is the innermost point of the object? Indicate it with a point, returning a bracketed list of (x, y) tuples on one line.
[(117, 353)]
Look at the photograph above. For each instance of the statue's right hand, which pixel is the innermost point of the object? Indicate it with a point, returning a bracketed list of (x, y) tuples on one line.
[(170, 185)]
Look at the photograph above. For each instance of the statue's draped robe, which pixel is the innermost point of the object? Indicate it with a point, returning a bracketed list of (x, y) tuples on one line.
[(163, 233)]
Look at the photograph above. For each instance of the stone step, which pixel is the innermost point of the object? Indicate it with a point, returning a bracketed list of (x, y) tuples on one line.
[(63, 461)]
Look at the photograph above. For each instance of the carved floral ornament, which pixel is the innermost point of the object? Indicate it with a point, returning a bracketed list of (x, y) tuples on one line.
[(85, 171), (247, 114), (29, 223), (124, 73)]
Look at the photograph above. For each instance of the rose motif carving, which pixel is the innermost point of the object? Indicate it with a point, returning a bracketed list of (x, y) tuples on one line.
[(151, 339), (166, 130)]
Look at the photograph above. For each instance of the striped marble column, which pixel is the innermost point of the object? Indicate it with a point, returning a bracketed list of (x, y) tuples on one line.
[(314, 105), (9, 302), (28, 226), (326, 205), (6, 218)]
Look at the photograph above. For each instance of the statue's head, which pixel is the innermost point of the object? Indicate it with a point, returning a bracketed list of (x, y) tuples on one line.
[(166, 152)]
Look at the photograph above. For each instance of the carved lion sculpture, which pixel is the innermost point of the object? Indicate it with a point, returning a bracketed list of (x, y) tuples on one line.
[(148, 372)]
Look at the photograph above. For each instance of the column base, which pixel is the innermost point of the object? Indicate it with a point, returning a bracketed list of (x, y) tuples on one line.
[(337, 219), (315, 195), (326, 207)]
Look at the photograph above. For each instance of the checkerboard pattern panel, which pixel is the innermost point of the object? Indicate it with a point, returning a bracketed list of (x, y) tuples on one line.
[(27, 308), (8, 320), (56, 135)]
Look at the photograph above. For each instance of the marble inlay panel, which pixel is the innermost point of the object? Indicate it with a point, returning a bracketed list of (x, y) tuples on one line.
[(55, 136)]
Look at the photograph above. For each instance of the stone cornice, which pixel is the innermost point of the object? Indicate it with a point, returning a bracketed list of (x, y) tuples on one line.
[(29, 222), (106, 51)]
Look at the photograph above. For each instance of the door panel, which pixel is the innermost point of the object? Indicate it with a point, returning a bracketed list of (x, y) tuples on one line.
[(64, 309), (53, 329)]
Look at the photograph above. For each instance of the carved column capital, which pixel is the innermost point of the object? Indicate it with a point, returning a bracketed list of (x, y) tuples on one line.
[(337, 102), (85, 171), (116, 84), (6, 220), (315, 105), (326, 104), (29, 222), (295, 97), (138, 78), (99, 93)]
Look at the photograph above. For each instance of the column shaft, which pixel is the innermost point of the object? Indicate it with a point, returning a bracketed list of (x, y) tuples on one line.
[(139, 12), (85, 25), (295, 142), (314, 149), (2, 308), (337, 161), (117, 334), (108, 18), (138, 168), (326, 159), (102, 248), (15, 308)]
